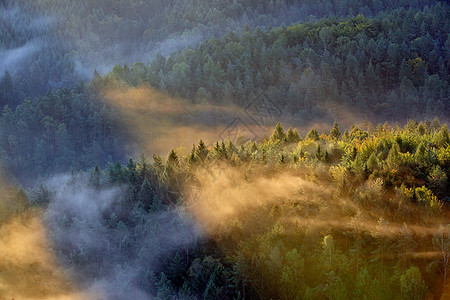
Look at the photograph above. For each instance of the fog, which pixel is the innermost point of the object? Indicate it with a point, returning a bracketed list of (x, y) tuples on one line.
[(119, 259), (13, 60), (89, 235)]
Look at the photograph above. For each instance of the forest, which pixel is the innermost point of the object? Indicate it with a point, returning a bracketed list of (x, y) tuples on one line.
[(358, 214), (187, 149)]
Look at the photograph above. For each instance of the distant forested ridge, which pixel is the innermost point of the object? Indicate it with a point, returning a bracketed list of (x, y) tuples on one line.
[(49, 44), (392, 67)]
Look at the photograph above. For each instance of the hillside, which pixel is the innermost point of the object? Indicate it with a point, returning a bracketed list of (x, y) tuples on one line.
[(225, 149), (49, 44), (352, 215)]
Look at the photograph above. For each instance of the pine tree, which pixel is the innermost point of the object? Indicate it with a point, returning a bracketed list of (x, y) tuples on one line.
[(336, 131), (412, 285), (211, 290), (131, 174), (319, 154), (394, 159), (164, 288), (443, 136), (405, 245), (144, 167), (313, 135), (146, 194), (293, 136), (176, 269), (7, 91), (185, 291), (94, 178), (202, 151), (193, 158), (421, 157), (172, 159), (278, 134), (372, 162)]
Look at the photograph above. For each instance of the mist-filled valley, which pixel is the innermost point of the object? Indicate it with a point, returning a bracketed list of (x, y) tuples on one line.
[(191, 149)]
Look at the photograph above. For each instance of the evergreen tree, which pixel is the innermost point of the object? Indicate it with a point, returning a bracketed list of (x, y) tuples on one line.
[(172, 159), (405, 245), (293, 136), (94, 178), (313, 135), (164, 288), (336, 131), (394, 159), (278, 134), (146, 194), (412, 284), (372, 162), (193, 158), (202, 151)]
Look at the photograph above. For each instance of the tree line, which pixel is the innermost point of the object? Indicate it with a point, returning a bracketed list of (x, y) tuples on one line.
[(60, 42)]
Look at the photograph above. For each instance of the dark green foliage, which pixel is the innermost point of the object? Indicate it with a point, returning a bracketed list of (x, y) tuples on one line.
[(336, 131), (380, 67), (293, 136), (202, 151), (146, 196), (193, 158), (95, 177), (165, 290), (412, 284), (372, 162), (313, 135), (278, 135), (172, 159), (319, 153), (378, 194), (92, 34), (58, 131)]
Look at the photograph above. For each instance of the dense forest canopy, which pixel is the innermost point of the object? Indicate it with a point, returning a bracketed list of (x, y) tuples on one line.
[(340, 215), (51, 44), (280, 149), (397, 59), (391, 67)]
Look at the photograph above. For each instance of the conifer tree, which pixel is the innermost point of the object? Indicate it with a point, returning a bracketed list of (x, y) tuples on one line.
[(94, 178), (393, 159), (336, 131), (412, 285), (313, 135), (164, 286), (172, 159), (293, 136), (145, 195), (202, 151), (193, 158), (372, 162), (278, 134)]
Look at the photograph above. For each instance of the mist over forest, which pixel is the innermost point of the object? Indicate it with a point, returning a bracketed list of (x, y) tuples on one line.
[(190, 149)]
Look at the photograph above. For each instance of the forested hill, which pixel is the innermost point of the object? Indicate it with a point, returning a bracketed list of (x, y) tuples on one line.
[(218, 199), (359, 215), (392, 67), (389, 68), (49, 44)]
